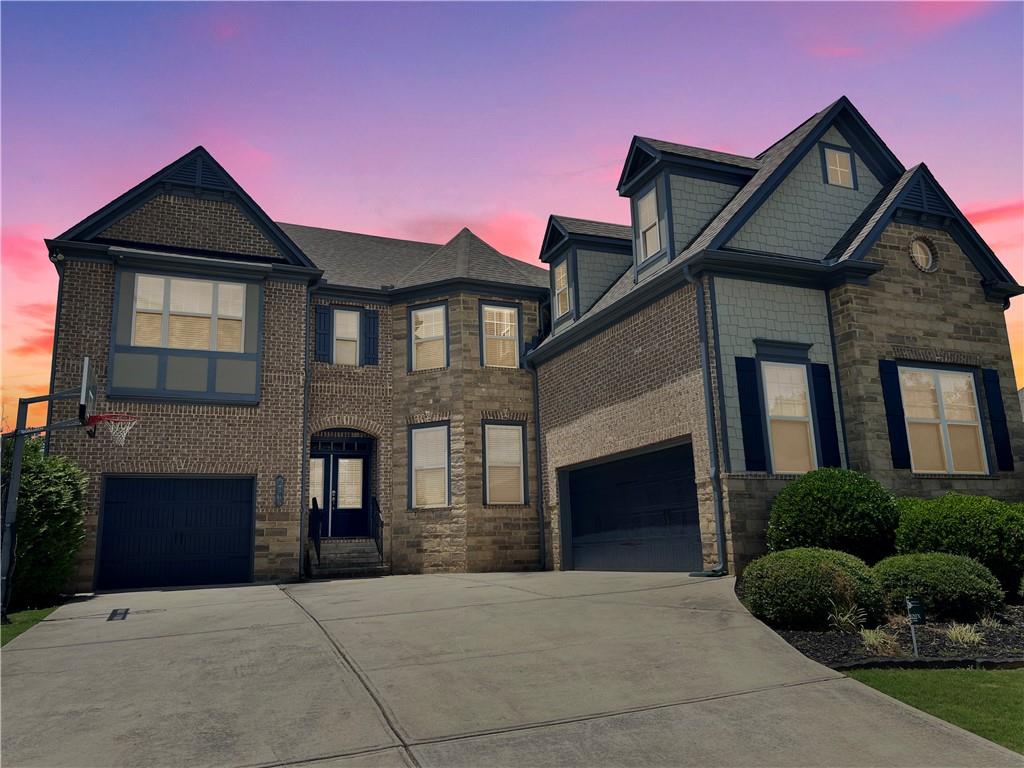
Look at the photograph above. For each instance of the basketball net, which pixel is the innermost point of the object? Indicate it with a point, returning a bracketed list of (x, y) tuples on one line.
[(117, 424)]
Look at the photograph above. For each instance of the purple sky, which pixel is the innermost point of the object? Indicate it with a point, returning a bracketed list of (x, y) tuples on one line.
[(414, 120)]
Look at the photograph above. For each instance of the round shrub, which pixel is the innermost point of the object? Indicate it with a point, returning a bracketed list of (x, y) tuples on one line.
[(990, 531), (799, 588), (835, 509), (949, 586), (50, 526)]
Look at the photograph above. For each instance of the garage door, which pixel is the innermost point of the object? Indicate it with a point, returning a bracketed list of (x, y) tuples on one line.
[(635, 514), (175, 531)]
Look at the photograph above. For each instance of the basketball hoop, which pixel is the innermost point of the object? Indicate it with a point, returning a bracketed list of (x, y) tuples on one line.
[(117, 424)]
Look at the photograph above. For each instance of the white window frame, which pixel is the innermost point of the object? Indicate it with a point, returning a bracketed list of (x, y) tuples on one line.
[(521, 465), (514, 337), (443, 308), (165, 311), (809, 419), (445, 462), (337, 338), (831, 152), (656, 224), (943, 422), (563, 267)]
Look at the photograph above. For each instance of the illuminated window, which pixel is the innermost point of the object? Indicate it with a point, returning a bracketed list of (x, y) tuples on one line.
[(647, 221), (562, 303), (943, 423), (346, 337), (184, 313), (501, 336), (923, 255), (790, 429), (429, 345), (839, 167)]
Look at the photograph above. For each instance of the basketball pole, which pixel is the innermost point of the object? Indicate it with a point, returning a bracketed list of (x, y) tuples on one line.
[(7, 546)]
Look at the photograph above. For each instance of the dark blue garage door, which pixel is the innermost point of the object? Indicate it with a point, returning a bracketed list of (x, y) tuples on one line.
[(175, 531), (636, 514)]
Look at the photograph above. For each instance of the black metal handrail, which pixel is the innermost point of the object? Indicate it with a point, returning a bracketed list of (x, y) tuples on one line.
[(377, 528)]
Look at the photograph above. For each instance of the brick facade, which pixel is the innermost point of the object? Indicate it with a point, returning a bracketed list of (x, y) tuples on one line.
[(903, 313)]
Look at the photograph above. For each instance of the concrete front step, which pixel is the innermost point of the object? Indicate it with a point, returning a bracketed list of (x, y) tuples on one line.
[(340, 571)]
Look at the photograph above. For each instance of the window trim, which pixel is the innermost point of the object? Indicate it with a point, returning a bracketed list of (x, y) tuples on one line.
[(482, 306), (358, 312), (410, 342), (563, 262), (947, 447), (523, 467), (640, 258), (824, 164), (411, 485), (165, 312), (767, 418)]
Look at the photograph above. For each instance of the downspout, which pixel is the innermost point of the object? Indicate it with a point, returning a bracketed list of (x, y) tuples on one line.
[(720, 568), (543, 557), (303, 492), (58, 262)]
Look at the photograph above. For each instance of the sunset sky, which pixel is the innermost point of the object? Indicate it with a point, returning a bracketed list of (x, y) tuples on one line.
[(415, 120)]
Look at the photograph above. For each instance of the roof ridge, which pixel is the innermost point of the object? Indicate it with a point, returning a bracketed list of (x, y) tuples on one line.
[(722, 152), (358, 234)]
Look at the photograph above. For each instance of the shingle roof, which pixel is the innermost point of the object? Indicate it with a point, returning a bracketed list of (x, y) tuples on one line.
[(367, 261), (862, 227), (594, 228), (684, 150)]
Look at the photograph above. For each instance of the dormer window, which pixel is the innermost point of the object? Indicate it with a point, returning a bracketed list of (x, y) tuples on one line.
[(839, 167), (647, 222), (562, 303)]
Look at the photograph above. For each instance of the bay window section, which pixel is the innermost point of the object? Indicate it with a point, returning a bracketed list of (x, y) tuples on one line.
[(429, 466), (503, 449), (186, 313), (501, 336), (788, 408), (942, 420), (429, 338)]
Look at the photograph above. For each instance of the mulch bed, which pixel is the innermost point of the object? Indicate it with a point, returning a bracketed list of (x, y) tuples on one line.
[(1004, 643)]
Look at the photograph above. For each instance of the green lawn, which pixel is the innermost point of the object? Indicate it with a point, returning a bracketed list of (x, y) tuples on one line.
[(21, 621), (989, 702)]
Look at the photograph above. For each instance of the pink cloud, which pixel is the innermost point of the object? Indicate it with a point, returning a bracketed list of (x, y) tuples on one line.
[(514, 233), (37, 344), (41, 311), (1012, 209), (22, 250)]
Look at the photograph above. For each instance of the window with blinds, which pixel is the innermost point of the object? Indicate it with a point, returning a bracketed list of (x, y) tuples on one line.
[(429, 346), (350, 483), (562, 302), (501, 336), (791, 431), (316, 482), (346, 337), (429, 466), (943, 423), (184, 313), (503, 447)]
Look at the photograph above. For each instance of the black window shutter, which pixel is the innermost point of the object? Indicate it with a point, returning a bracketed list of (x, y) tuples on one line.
[(889, 374), (371, 337), (825, 414), (997, 419), (323, 333), (750, 415)]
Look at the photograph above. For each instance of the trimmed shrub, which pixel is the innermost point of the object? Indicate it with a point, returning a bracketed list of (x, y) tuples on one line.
[(949, 586), (835, 509), (50, 526), (800, 588), (990, 531)]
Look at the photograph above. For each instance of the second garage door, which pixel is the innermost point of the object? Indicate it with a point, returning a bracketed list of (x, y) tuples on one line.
[(635, 514), (175, 531)]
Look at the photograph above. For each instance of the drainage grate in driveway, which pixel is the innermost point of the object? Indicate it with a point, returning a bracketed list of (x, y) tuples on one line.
[(118, 614)]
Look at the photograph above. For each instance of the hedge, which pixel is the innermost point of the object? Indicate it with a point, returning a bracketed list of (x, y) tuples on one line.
[(835, 509), (990, 531), (50, 526), (949, 586), (799, 588)]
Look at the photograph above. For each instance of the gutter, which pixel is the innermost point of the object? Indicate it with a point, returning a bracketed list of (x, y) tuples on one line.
[(720, 568), (543, 556)]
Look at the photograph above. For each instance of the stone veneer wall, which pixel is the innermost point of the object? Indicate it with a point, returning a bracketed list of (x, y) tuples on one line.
[(186, 437), (357, 397), (636, 383), (189, 222), (467, 535), (903, 313)]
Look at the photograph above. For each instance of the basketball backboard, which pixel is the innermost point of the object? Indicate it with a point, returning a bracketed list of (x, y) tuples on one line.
[(87, 399)]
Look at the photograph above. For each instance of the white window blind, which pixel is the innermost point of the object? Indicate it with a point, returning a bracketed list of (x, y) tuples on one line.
[(184, 313), (943, 423), (430, 466), (346, 337), (503, 445), (647, 221), (791, 432), (562, 303), (350, 483), (316, 482), (428, 338), (501, 337)]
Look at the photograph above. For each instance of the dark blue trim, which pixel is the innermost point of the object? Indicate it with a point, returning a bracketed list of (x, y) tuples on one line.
[(447, 333), (748, 383), (324, 332), (899, 446), (369, 342), (409, 462), (719, 364), (835, 368), (825, 416), (822, 146), (997, 420), (520, 342), (634, 175), (782, 351), (632, 168), (526, 473), (661, 203)]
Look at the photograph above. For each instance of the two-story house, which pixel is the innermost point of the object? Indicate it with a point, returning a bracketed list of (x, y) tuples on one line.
[(636, 406)]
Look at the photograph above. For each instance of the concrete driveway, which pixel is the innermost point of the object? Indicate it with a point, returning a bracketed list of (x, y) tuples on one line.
[(541, 669)]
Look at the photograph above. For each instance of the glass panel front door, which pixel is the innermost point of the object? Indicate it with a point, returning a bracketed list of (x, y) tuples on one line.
[(340, 486)]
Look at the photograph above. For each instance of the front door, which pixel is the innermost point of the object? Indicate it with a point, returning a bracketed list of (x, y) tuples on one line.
[(340, 484)]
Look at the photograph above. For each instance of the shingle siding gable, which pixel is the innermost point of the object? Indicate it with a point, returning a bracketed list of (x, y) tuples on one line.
[(805, 217), (598, 270), (695, 202)]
